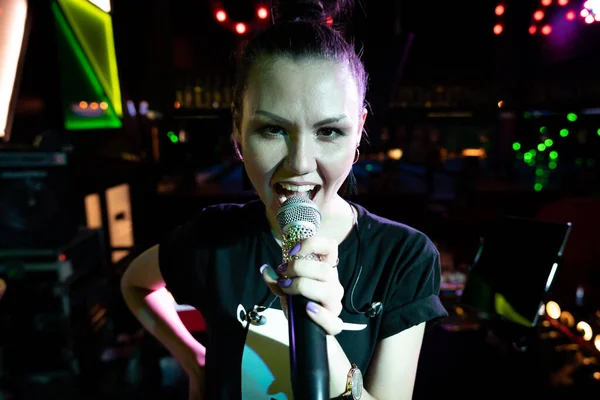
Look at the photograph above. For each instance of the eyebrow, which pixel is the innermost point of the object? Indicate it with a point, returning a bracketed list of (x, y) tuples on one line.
[(284, 121)]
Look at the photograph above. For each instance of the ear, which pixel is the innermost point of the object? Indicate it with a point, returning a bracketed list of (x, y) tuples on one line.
[(361, 124)]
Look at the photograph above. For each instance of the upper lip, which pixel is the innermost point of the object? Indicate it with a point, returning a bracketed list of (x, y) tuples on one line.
[(297, 183)]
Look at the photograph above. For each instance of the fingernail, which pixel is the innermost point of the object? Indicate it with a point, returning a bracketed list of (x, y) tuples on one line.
[(282, 267), (262, 268), (295, 249), (284, 283), (270, 271), (312, 307)]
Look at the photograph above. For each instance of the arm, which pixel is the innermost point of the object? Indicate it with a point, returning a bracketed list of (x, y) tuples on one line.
[(144, 291), (393, 369)]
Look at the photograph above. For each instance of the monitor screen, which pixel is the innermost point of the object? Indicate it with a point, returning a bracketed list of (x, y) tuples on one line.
[(514, 269)]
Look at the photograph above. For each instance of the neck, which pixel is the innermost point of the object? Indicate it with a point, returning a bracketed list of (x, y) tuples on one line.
[(337, 221)]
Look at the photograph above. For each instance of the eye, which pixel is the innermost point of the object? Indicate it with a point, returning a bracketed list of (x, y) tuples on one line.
[(330, 133), (272, 130)]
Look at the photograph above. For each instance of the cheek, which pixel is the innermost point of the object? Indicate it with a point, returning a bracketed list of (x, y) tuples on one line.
[(338, 164), (261, 157)]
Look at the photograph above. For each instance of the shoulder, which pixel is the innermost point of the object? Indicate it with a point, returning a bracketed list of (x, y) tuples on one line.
[(402, 238), (215, 223), (231, 210), (225, 216)]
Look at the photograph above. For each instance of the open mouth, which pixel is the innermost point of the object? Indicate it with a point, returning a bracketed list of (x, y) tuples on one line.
[(284, 191)]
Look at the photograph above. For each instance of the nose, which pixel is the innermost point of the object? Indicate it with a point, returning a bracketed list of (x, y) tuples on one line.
[(301, 157)]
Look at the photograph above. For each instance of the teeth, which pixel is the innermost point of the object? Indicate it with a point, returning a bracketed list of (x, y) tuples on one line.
[(294, 188)]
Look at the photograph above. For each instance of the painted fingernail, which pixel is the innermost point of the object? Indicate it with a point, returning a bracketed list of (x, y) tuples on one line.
[(295, 249), (282, 267), (284, 283), (262, 268), (270, 271), (312, 307)]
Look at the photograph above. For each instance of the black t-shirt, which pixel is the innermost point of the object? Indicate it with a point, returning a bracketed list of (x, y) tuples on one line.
[(213, 264)]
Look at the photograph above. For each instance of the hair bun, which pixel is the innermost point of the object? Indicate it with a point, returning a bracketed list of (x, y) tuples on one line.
[(310, 10)]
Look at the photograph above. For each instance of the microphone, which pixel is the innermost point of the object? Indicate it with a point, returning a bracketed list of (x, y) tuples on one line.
[(299, 218)]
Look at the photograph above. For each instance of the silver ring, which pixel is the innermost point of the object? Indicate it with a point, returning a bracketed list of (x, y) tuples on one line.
[(311, 256)]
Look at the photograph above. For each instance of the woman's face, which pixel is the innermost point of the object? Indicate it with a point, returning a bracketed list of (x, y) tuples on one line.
[(299, 129)]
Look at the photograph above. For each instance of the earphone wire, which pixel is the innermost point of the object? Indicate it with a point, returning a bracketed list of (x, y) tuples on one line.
[(358, 260)]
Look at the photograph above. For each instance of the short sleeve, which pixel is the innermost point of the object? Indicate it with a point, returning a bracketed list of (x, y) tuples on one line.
[(414, 295), (180, 263)]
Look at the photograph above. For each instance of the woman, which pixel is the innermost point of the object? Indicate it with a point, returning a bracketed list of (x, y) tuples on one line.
[(298, 119)]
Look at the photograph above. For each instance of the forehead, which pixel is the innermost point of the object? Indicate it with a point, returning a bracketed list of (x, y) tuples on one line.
[(314, 86)]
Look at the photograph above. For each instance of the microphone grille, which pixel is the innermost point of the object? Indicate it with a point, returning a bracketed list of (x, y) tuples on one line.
[(298, 210)]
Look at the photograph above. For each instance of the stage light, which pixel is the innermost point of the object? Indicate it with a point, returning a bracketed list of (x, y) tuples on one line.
[(546, 3), (546, 29), (499, 9), (591, 11), (553, 310), (564, 132), (563, 2), (262, 13), (538, 15), (221, 16), (570, 16), (240, 28), (498, 29), (586, 330), (532, 30), (172, 137)]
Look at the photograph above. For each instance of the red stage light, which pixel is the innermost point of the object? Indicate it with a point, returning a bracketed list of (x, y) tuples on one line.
[(221, 15), (262, 13), (240, 28), (546, 29), (538, 15)]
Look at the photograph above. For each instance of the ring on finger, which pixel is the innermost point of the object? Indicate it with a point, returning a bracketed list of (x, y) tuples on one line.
[(311, 256)]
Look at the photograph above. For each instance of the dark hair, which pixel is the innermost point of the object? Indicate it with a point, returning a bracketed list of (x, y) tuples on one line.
[(301, 30)]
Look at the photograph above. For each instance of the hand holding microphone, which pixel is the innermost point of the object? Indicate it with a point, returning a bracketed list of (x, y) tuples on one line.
[(315, 280), (308, 285)]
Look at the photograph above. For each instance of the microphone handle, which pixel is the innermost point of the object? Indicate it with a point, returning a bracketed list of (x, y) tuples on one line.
[(308, 353)]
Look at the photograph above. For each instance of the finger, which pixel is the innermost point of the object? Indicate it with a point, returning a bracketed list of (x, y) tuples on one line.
[(330, 322), (270, 277), (325, 247), (326, 294), (311, 269)]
